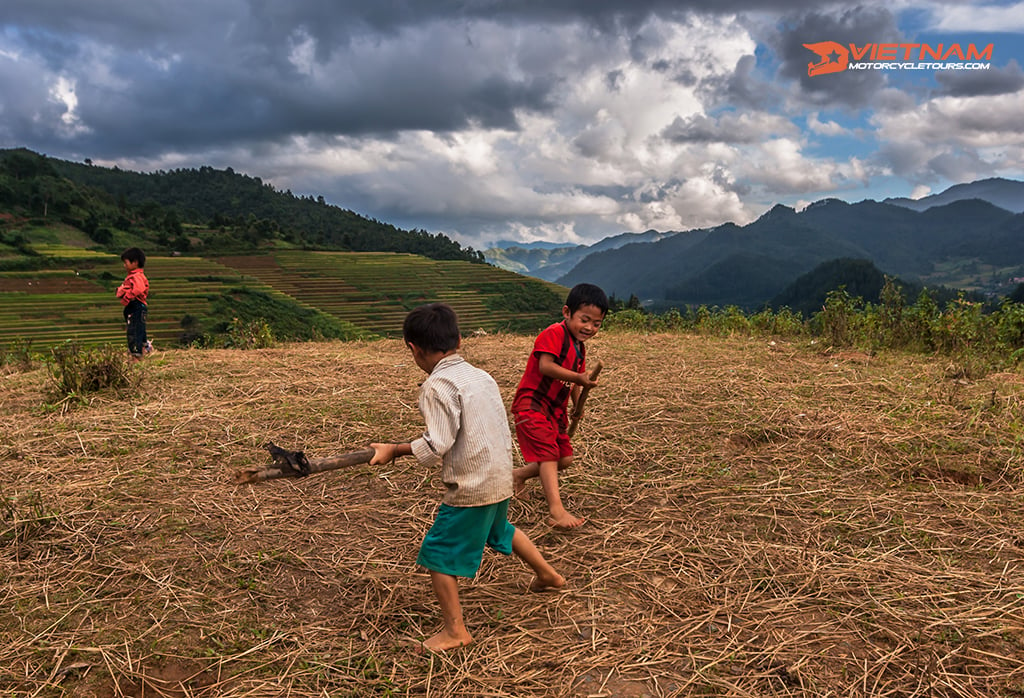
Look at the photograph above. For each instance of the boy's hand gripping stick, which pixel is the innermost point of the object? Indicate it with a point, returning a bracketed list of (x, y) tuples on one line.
[(577, 412)]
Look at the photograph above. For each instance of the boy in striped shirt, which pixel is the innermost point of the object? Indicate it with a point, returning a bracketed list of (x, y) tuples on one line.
[(467, 435)]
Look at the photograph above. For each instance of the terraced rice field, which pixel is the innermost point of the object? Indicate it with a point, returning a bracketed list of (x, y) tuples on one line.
[(48, 307), (373, 291)]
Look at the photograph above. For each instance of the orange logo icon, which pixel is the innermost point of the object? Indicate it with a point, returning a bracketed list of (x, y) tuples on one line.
[(833, 58)]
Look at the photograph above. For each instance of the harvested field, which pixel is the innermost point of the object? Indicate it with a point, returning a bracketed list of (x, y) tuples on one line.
[(764, 519)]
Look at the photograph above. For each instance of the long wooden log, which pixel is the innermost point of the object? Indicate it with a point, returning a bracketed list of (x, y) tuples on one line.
[(577, 412), (316, 465)]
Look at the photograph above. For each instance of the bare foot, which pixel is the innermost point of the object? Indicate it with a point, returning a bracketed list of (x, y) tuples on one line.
[(565, 521), (555, 583), (442, 642)]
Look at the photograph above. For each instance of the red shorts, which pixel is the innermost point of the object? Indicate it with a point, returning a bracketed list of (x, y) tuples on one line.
[(541, 438)]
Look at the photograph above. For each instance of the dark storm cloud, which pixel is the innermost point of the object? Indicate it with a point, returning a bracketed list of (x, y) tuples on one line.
[(334, 22), (730, 127), (859, 25), (745, 88), (155, 76), (475, 115), (390, 16), (974, 83), (207, 78)]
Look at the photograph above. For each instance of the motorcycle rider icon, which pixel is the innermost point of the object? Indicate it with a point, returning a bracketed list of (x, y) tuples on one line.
[(834, 58)]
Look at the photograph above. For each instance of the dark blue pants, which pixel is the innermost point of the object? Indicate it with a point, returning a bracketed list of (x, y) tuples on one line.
[(135, 318)]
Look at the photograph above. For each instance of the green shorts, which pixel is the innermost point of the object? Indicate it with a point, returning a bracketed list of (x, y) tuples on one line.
[(455, 543)]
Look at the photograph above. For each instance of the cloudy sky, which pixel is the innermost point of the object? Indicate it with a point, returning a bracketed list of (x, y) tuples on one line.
[(564, 120)]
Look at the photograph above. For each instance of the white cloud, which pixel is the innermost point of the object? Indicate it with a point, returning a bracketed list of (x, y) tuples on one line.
[(780, 166), (303, 52), (946, 122), (603, 132), (824, 128), (962, 18), (484, 126), (63, 92), (954, 139)]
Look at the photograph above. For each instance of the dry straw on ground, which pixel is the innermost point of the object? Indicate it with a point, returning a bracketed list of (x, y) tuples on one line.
[(763, 520)]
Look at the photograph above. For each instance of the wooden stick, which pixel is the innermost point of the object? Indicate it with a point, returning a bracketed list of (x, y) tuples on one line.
[(577, 412), (316, 465)]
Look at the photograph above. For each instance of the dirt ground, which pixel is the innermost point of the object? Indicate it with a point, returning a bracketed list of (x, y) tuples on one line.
[(764, 519)]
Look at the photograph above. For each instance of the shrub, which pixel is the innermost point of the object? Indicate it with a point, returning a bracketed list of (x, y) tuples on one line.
[(1010, 330), (629, 320), (963, 328), (784, 323), (249, 334), (76, 371), (837, 320), (18, 356)]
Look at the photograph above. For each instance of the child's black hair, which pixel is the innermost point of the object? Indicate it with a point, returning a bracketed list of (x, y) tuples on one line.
[(134, 254), (432, 327), (586, 294)]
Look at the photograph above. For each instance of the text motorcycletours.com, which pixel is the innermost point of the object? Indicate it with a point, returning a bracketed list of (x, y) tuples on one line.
[(834, 57), (919, 66)]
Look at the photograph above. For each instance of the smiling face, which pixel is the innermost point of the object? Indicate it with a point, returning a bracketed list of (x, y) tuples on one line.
[(584, 322)]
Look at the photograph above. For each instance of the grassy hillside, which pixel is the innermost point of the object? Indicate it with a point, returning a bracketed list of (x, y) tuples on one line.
[(375, 290), (301, 295), (764, 519), (199, 211)]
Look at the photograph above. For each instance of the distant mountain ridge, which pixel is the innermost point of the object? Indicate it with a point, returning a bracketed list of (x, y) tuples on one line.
[(536, 244), (667, 274), (549, 261), (963, 241), (1004, 193)]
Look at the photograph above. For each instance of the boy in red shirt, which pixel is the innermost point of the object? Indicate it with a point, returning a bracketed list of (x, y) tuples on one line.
[(555, 370), (134, 292)]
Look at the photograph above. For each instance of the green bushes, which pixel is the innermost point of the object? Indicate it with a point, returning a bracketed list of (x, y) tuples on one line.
[(249, 334), (17, 357), (522, 297), (976, 340), (76, 370), (239, 312)]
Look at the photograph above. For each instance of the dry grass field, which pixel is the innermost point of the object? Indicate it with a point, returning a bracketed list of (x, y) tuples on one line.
[(764, 519)]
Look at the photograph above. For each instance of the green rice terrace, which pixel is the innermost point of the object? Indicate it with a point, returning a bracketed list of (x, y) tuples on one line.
[(364, 293)]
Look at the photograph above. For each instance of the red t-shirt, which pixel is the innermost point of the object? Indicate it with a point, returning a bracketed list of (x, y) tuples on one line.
[(134, 288), (536, 391)]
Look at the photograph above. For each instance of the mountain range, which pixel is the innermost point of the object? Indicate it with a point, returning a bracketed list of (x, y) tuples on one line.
[(1004, 193), (550, 261), (970, 236)]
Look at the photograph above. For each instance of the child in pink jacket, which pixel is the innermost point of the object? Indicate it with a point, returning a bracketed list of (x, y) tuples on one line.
[(133, 294)]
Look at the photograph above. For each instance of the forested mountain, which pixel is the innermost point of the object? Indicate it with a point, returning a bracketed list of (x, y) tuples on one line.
[(549, 262), (860, 279), (195, 210), (968, 244), (1004, 193)]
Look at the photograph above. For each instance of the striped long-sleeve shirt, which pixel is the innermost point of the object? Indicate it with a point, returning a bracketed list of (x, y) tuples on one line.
[(467, 433)]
